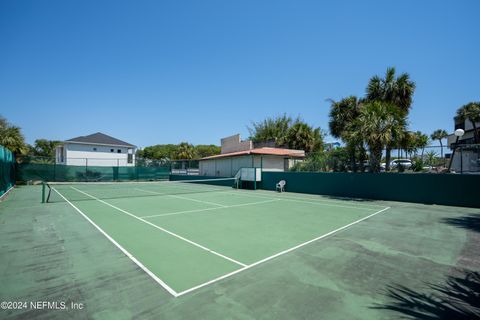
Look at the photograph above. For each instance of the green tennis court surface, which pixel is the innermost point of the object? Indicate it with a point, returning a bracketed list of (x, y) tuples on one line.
[(168, 227), (150, 250)]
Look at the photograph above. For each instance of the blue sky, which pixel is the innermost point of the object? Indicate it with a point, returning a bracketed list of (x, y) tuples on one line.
[(168, 71)]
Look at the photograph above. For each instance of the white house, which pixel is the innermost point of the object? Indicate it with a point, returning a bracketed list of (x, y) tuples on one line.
[(467, 156), (238, 154), (97, 149)]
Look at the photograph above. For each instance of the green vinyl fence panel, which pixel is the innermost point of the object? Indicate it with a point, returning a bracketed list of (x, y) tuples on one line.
[(7, 170), (445, 189), (29, 171)]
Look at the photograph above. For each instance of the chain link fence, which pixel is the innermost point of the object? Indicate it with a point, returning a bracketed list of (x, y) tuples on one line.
[(431, 159)]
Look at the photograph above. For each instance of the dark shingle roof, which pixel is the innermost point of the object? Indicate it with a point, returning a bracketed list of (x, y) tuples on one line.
[(100, 138)]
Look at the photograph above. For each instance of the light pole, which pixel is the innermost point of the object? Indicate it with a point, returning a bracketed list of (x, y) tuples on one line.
[(458, 133)]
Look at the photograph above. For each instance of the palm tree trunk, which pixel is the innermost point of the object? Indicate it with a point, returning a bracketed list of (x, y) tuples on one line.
[(387, 158), (362, 157), (441, 152), (475, 133), (351, 151), (375, 158), (354, 161)]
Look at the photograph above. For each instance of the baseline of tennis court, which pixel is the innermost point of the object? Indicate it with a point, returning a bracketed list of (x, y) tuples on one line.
[(185, 241)]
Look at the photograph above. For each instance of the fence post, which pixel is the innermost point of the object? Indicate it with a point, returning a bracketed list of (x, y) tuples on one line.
[(461, 159), (86, 169)]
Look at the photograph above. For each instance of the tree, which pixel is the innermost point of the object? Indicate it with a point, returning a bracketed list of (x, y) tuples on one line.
[(184, 151), (439, 135), (272, 129), (379, 123), (471, 112), (397, 91), (302, 136), (45, 148), (431, 157), (288, 133), (172, 151), (12, 138), (421, 141), (394, 90), (159, 151), (342, 116), (203, 150)]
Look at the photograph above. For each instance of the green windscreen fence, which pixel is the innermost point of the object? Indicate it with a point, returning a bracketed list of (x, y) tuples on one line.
[(36, 171), (446, 189), (7, 170)]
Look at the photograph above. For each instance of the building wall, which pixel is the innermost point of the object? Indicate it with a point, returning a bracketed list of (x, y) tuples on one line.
[(224, 167), (273, 163), (229, 166), (234, 144), (95, 155)]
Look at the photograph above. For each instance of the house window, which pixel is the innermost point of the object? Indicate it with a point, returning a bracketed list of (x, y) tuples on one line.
[(119, 151), (130, 156), (94, 149), (111, 150)]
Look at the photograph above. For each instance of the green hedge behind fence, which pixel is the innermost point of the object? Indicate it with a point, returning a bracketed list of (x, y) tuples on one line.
[(7, 170), (445, 189), (56, 172)]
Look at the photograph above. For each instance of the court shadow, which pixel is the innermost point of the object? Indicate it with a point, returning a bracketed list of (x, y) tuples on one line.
[(470, 222), (457, 298), (349, 199)]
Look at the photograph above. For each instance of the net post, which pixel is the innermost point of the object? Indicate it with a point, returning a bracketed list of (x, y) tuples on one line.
[(254, 178), (43, 191)]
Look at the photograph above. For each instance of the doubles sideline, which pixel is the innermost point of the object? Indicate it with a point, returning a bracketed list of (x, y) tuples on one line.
[(244, 266)]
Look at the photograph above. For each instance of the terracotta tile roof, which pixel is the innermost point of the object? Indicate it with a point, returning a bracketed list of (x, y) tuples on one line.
[(262, 151)]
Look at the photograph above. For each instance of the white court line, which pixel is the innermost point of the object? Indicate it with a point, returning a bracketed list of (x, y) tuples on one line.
[(278, 254), (208, 209), (162, 229), (247, 194), (128, 254), (6, 192), (181, 197)]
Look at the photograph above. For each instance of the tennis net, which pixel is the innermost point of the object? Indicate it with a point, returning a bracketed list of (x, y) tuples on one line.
[(78, 191)]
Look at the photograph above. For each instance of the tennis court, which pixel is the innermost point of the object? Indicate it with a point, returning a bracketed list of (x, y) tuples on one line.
[(188, 234), (205, 250)]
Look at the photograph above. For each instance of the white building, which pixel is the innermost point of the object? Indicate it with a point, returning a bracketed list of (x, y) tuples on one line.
[(238, 154), (97, 149), (467, 155)]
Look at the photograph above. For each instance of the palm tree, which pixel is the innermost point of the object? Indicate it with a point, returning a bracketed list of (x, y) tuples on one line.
[(303, 137), (471, 112), (421, 141), (12, 138), (184, 151), (439, 135), (431, 157), (397, 91), (45, 148), (343, 114), (394, 90), (378, 122), (412, 141)]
